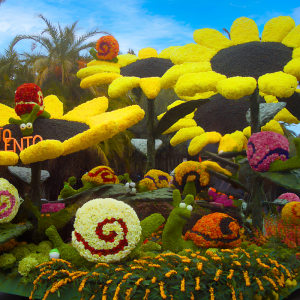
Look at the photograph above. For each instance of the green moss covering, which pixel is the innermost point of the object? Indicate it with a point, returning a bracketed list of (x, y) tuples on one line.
[(150, 246), (190, 189), (7, 260), (20, 252)]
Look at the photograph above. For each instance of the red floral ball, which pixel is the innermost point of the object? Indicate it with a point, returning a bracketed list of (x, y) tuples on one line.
[(215, 230), (26, 97), (107, 47)]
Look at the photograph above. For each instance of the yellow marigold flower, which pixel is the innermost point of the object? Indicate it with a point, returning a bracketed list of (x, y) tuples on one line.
[(54, 107), (192, 53), (150, 86), (43, 150), (211, 38), (162, 292), (186, 269), (293, 67), (139, 281), (231, 274), (167, 52), (214, 166), (91, 108), (146, 294), (244, 30), (185, 134), (259, 283), (197, 287), (202, 140), (170, 273), (8, 158), (169, 79), (98, 79), (276, 84), (271, 281), (200, 265), (153, 280), (285, 116), (182, 285), (147, 53), (276, 29), (237, 263), (181, 123), (246, 276), (218, 274), (126, 59), (296, 53), (293, 38), (91, 70), (193, 83), (236, 87), (211, 290), (122, 85), (273, 126), (102, 63)]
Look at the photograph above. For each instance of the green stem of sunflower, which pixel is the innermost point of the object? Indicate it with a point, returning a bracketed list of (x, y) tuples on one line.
[(150, 136), (257, 181)]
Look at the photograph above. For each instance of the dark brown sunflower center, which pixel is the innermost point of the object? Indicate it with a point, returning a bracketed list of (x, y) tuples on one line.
[(252, 59), (148, 67)]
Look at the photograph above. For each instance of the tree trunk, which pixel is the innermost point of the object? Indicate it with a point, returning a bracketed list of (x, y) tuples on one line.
[(150, 136), (257, 182), (35, 185)]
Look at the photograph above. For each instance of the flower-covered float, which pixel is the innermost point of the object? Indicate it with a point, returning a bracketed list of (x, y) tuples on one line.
[(108, 257)]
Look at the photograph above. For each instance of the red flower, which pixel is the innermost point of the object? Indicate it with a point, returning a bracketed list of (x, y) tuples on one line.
[(107, 47)]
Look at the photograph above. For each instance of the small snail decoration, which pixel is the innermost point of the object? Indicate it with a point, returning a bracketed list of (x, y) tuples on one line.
[(29, 103)]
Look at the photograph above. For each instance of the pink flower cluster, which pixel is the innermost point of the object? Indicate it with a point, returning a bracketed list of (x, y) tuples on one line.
[(264, 148), (4, 212), (290, 197), (219, 199), (52, 207)]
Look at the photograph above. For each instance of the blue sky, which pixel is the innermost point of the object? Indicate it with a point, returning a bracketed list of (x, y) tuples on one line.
[(137, 24)]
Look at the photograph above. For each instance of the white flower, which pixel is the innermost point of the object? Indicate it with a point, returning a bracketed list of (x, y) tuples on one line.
[(132, 184), (127, 184), (133, 191)]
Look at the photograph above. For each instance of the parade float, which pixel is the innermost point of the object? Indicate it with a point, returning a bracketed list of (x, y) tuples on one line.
[(110, 253)]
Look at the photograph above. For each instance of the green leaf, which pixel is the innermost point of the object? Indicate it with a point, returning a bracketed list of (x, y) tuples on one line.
[(93, 52), (176, 113), (10, 231), (284, 179)]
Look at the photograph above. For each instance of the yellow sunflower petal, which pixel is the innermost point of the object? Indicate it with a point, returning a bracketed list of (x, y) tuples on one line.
[(285, 116), (278, 84), (160, 116), (200, 141), (236, 87), (122, 85), (7, 112), (88, 109), (192, 53), (102, 63), (54, 106), (147, 53), (211, 38), (181, 123), (215, 166), (270, 99), (98, 79), (293, 38), (8, 158), (247, 132), (169, 79), (43, 150), (193, 83), (277, 29), (273, 126), (107, 129), (126, 59), (175, 103), (185, 134), (166, 53), (91, 70), (227, 144), (296, 53), (199, 96), (244, 30), (293, 68), (150, 86), (125, 117)]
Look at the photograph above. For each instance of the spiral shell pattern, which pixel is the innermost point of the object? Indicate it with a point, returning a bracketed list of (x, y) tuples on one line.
[(106, 230), (9, 201), (100, 175), (107, 47), (27, 96), (264, 148)]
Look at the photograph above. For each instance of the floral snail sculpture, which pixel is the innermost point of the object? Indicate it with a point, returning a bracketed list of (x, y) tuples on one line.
[(29, 106)]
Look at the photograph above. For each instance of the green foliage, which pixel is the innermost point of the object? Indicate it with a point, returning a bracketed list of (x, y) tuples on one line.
[(10, 231), (190, 189), (125, 177), (150, 246), (7, 260)]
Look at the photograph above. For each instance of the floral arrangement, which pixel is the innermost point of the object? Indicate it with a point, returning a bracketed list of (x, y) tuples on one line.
[(291, 213), (55, 106), (215, 230), (106, 230), (107, 47), (220, 198), (155, 179), (5, 113), (8, 158), (52, 207), (26, 97), (265, 147), (100, 175), (147, 53), (9, 201), (289, 197), (91, 70)]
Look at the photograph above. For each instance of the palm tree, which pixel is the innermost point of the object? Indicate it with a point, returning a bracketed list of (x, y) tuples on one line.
[(2, 1), (62, 50)]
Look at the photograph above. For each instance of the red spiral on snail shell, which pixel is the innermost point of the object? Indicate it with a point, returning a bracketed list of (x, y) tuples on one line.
[(107, 47)]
